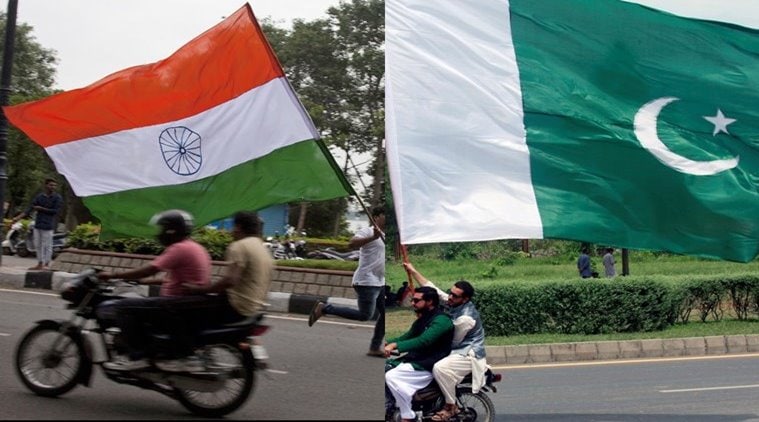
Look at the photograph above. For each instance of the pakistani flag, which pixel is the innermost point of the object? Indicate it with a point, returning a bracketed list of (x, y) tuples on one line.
[(213, 129), (591, 120)]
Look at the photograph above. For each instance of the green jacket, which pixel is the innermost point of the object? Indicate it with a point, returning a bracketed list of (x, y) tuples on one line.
[(426, 342)]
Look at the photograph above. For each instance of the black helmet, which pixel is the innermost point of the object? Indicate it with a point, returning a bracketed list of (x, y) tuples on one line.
[(174, 225)]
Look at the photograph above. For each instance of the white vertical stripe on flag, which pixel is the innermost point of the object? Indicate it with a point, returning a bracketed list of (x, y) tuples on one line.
[(245, 128), (458, 158)]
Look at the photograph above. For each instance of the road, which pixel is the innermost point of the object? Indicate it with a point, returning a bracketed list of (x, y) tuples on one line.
[(322, 373), (724, 388), (317, 373)]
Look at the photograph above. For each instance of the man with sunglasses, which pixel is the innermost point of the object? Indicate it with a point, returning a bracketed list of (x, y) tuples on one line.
[(427, 341), (468, 347)]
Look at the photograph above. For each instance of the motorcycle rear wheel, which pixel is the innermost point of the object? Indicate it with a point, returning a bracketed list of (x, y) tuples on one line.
[(475, 407), (46, 371), (235, 391)]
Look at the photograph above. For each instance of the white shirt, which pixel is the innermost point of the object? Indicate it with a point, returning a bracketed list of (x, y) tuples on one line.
[(371, 261)]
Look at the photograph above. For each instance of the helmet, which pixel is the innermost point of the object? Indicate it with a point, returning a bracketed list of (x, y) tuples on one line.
[(173, 225)]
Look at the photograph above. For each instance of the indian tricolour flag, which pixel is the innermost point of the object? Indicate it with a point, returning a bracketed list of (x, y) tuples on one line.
[(212, 129), (592, 120)]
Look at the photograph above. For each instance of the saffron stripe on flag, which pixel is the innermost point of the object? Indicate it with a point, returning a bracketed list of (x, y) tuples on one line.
[(196, 77)]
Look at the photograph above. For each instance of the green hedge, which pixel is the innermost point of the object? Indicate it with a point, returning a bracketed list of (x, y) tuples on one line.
[(622, 304)]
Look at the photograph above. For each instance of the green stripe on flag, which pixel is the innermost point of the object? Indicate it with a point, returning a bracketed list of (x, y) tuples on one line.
[(587, 67), (298, 172)]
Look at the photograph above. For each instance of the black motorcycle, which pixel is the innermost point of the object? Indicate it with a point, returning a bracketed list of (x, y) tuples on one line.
[(56, 355), (473, 407)]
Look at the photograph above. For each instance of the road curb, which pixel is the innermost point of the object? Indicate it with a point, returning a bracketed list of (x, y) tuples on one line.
[(623, 349)]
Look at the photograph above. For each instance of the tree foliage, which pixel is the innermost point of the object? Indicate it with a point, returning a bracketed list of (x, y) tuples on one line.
[(336, 65), (32, 77)]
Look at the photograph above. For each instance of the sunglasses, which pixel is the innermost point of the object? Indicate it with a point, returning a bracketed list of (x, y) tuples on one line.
[(454, 295), (416, 299)]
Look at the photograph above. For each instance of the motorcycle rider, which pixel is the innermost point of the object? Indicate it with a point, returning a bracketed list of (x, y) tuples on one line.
[(427, 341), (185, 262), (468, 347)]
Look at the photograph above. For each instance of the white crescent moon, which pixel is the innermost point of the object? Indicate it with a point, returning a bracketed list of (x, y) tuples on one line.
[(645, 131)]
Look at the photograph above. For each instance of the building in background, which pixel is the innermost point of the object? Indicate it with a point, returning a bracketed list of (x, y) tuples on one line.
[(274, 217)]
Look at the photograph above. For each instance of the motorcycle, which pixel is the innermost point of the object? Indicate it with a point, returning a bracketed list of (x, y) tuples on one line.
[(331, 253), (13, 236), (55, 356), (21, 242), (288, 249), (429, 400)]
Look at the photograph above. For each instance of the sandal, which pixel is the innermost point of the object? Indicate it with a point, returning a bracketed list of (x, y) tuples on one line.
[(444, 415)]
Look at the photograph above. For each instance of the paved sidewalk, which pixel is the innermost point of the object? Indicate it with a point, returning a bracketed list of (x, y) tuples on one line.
[(496, 355)]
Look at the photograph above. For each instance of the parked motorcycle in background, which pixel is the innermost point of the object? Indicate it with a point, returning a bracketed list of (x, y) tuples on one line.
[(13, 237), (20, 241), (331, 253), (286, 249)]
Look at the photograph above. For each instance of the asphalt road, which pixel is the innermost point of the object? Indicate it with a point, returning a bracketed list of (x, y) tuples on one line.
[(317, 373), (723, 388)]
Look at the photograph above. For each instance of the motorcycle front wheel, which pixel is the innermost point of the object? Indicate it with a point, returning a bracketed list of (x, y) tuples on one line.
[(475, 407), (22, 251), (49, 363), (236, 389)]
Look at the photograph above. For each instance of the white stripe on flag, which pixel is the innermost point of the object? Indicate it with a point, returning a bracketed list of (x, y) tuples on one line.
[(457, 152), (247, 127)]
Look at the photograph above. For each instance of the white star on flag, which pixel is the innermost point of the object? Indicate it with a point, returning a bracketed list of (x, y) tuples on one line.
[(720, 122)]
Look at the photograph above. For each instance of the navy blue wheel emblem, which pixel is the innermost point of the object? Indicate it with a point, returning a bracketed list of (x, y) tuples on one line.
[(180, 147)]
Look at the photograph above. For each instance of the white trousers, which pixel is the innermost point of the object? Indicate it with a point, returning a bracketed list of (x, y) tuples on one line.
[(449, 371), (403, 381), (43, 242)]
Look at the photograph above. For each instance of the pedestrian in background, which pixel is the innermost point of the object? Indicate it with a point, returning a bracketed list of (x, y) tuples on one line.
[(608, 260), (368, 283), (46, 205), (583, 263)]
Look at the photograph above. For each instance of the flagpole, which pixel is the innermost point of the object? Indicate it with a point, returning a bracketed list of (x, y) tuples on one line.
[(5, 89)]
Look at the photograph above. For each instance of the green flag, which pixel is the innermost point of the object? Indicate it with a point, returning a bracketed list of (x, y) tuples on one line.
[(614, 124)]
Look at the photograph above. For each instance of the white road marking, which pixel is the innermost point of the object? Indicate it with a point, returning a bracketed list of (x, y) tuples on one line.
[(30, 292), (277, 371), (4, 335), (729, 387)]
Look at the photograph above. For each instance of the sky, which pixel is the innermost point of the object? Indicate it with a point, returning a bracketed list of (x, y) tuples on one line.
[(94, 38)]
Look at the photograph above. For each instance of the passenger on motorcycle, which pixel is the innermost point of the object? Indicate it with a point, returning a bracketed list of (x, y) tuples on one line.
[(427, 341), (468, 348), (244, 288), (185, 262)]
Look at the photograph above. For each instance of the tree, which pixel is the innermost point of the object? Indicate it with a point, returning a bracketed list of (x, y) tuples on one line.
[(32, 78), (336, 65)]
